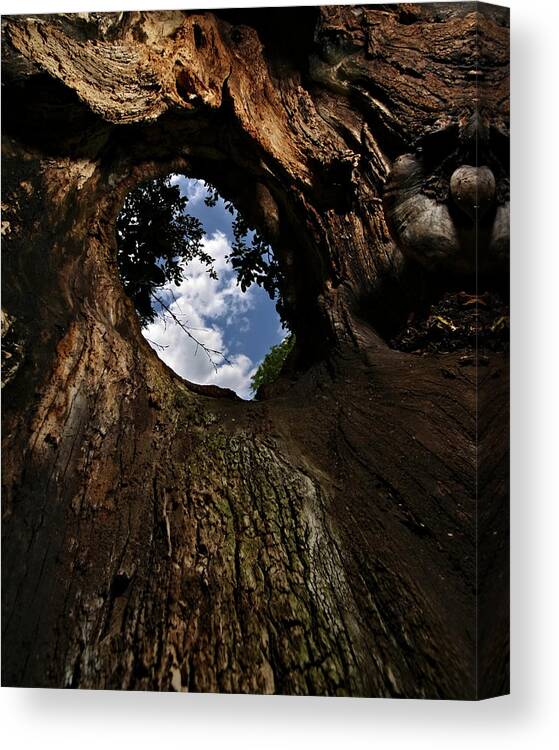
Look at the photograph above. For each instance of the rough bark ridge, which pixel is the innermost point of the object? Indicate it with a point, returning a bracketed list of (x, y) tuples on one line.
[(331, 538)]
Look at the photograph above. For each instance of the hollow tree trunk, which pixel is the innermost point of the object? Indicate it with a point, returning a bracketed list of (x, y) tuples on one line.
[(345, 534)]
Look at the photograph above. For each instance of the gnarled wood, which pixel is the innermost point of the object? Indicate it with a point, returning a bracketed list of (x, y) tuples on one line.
[(331, 538)]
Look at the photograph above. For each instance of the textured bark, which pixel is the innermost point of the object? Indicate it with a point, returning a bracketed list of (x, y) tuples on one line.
[(347, 533)]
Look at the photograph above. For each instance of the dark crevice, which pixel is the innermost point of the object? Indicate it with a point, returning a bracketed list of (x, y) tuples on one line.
[(119, 585), (43, 112), (424, 312), (199, 37), (286, 33)]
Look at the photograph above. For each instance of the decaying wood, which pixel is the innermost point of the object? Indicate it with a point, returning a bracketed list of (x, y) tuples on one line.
[(330, 538)]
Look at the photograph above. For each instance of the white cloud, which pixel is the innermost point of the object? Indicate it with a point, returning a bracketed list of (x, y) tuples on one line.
[(195, 190), (206, 306), (236, 375)]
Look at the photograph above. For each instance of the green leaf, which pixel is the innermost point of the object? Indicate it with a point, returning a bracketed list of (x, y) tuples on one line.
[(156, 238), (271, 366)]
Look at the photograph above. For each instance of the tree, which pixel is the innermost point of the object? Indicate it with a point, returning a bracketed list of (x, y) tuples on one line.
[(156, 238), (251, 256), (347, 536), (270, 368)]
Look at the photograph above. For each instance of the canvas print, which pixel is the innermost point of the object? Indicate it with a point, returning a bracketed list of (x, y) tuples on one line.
[(255, 315)]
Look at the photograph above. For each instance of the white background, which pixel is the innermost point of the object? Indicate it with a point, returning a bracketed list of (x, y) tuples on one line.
[(528, 718)]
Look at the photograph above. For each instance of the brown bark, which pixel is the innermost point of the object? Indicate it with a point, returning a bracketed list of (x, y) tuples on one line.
[(337, 537)]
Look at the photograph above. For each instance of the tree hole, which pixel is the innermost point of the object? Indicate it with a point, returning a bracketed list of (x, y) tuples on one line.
[(205, 285), (199, 38)]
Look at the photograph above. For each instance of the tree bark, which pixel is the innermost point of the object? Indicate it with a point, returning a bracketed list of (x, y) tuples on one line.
[(346, 534)]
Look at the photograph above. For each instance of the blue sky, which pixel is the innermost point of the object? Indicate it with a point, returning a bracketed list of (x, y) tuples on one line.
[(243, 326)]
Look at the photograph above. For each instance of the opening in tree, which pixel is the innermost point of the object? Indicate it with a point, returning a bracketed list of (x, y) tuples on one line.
[(192, 264)]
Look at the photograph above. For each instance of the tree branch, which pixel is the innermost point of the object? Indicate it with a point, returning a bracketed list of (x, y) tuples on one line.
[(207, 350)]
